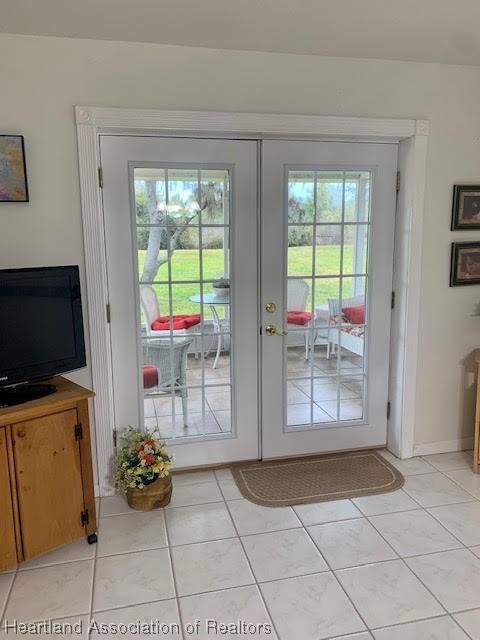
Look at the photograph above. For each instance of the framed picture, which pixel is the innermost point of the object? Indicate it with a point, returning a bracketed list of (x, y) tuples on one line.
[(466, 207), (465, 263), (13, 172)]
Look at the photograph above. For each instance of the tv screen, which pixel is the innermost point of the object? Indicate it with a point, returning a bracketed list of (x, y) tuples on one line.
[(41, 326)]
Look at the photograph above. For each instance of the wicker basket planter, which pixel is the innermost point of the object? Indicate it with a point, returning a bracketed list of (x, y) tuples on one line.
[(152, 496)]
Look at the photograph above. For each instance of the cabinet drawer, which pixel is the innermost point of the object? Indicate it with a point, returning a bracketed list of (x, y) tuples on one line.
[(8, 550), (49, 481)]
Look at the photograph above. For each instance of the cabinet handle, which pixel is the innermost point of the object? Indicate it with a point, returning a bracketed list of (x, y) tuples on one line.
[(21, 433)]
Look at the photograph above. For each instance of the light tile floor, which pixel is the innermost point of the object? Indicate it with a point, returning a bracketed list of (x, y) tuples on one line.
[(398, 566)]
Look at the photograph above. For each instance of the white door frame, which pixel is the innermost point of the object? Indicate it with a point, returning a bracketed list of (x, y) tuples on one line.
[(412, 136)]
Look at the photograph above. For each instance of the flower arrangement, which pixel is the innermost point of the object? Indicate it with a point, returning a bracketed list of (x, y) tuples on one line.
[(142, 459)]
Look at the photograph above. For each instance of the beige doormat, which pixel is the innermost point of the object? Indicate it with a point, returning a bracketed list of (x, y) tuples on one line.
[(335, 476)]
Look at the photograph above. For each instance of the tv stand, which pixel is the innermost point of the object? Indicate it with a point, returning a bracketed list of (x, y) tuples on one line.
[(46, 477), (18, 394)]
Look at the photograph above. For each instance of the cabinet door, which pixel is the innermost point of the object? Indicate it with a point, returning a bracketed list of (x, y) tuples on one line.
[(49, 481), (8, 551)]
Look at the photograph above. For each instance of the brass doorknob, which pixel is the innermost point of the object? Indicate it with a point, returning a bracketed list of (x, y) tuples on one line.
[(271, 330)]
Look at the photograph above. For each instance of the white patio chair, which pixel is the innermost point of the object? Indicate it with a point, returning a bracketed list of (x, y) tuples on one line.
[(151, 311), (297, 296), (335, 313)]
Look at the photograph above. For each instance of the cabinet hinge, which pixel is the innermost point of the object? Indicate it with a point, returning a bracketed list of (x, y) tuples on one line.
[(84, 518), (397, 186), (109, 315), (388, 410), (78, 432), (100, 177), (392, 300), (114, 437)]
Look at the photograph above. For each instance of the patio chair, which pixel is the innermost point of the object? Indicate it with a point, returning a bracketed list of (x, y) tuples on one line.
[(169, 357), (350, 340), (164, 326), (297, 296)]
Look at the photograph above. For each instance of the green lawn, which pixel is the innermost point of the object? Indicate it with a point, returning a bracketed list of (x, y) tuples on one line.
[(185, 266)]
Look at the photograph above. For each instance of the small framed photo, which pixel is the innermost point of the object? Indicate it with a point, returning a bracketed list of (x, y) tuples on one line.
[(466, 207), (13, 171), (465, 263)]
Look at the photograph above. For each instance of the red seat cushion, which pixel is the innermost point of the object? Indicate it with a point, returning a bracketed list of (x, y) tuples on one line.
[(150, 377), (355, 315), (163, 323), (299, 317)]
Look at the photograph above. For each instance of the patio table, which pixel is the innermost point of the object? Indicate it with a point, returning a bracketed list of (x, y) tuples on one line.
[(213, 300)]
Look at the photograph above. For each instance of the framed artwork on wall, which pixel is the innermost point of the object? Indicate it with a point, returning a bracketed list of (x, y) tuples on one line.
[(466, 207), (465, 263), (13, 170)]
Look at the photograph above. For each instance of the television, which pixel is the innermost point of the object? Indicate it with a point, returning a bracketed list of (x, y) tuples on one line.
[(41, 330)]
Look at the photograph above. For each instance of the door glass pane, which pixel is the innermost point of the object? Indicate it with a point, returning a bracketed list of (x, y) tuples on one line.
[(183, 239), (300, 250), (328, 239), (326, 302), (355, 245), (357, 196), (301, 185), (215, 253), (328, 206)]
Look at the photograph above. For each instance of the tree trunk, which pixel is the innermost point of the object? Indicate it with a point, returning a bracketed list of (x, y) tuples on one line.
[(152, 260)]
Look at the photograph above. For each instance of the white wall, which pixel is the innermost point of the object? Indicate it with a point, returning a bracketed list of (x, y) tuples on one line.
[(43, 78)]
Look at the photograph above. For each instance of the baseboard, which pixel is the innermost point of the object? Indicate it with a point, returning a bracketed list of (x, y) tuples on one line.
[(446, 446)]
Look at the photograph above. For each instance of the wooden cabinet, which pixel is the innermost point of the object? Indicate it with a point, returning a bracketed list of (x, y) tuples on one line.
[(46, 481), (8, 548)]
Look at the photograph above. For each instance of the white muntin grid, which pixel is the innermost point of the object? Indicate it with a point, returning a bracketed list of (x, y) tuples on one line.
[(193, 177), (356, 277)]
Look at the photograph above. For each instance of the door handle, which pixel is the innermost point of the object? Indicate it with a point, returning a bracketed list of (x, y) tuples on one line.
[(271, 330)]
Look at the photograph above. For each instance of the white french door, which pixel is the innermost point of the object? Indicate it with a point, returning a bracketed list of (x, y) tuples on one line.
[(197, 351), (181, 224), (327, 247)]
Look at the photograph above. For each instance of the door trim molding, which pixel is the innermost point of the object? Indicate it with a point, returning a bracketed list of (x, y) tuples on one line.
[(91, 122)]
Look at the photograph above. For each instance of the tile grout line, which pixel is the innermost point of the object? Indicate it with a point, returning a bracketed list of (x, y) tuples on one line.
[(225, 502), (94, 572), (460, 627), (425, 509), (418, 578), (382, 513), (457, 483), (402, 624), (304, 527), (448, 614), (346, 636), (259, 591), (339, 583), (411, 570), (447, 505), (174, 579), (403, 560), (9, 593)]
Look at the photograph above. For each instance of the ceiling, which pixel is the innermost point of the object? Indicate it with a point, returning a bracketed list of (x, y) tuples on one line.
[(445, 31)]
